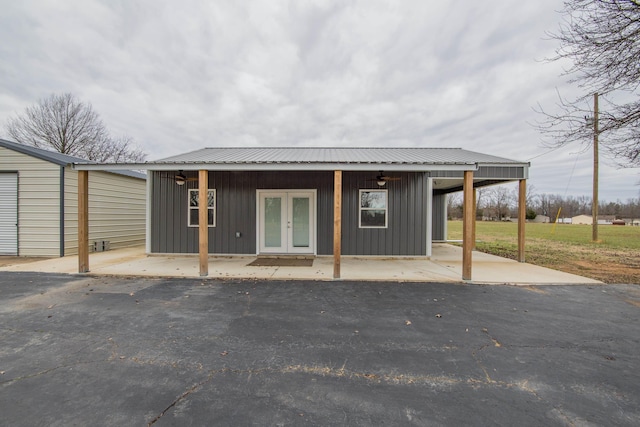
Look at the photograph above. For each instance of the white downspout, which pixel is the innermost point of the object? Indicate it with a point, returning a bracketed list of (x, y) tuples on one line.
[(429, 215), (147, 237)]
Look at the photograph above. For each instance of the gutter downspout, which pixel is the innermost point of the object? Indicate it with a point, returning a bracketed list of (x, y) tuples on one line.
[(429, 202), (148, 196)]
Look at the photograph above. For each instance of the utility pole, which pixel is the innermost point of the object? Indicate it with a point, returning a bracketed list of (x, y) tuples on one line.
[(594, 207)]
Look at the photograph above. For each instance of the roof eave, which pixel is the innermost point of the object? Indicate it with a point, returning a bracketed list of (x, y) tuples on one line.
[(278, 166)]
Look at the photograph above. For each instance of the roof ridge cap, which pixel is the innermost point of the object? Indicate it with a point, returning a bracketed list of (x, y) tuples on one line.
[(328, 148)]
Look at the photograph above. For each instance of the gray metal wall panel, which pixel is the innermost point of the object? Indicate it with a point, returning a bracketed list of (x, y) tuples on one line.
[(406, 231), (439, 218), (236, 210), (486, 172), (500, 172)]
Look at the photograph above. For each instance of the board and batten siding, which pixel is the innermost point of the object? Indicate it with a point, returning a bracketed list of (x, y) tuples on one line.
[(235, 209), (236, 212), (117, 209), (406, 232), (38, 203)]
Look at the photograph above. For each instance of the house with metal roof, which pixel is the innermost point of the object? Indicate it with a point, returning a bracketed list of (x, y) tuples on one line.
[(305, 201), (39, 204)]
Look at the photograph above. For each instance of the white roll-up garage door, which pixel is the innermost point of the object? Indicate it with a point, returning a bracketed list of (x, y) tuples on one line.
[(8, 214)]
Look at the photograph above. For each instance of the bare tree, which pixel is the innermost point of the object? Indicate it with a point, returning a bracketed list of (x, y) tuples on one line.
[(632, 209), (454, 205), (500, 201), (117, 150), (602, 40), (530, 195), (530, 200), (64, 124), (481, 193)]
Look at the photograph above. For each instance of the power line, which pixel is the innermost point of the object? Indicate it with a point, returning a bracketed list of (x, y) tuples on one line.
[(545, 153), (566, 190)]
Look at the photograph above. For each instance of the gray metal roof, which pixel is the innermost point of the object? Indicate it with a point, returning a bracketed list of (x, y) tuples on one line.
[(39, 153), (308, 155), (319, 159), (59, 158)]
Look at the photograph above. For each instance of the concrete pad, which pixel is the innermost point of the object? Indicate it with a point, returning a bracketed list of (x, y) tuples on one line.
[(7, 260), (445, 265)]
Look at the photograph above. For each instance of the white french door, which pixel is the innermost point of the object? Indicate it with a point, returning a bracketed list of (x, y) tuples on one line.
[(286, 221)]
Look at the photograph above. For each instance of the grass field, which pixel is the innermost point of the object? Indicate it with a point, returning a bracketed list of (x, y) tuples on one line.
[(615, 258)]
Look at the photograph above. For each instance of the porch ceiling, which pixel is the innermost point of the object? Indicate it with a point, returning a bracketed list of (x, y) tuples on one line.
[(454, 185)]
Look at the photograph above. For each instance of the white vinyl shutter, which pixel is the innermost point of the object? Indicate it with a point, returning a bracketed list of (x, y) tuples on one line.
[(8, 214)]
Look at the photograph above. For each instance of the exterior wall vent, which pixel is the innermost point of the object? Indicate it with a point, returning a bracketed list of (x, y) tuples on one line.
[(101, 245)]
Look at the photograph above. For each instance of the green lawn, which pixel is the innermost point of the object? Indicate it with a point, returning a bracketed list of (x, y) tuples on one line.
[(614, 258)]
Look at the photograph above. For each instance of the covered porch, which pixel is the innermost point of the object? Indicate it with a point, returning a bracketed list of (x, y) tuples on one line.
[(445, 265), (441, 171)]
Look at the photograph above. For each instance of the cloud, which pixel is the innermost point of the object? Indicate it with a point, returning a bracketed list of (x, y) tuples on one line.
[(180, 76)]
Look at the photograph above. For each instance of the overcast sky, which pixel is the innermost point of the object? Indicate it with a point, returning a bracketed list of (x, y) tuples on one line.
[(181, 75)]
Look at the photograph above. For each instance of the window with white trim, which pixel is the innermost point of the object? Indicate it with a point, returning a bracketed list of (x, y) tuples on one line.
[(373, 209), (194, 205)]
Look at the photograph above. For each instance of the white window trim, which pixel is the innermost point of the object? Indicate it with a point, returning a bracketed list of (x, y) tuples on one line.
[(386, 209), (190, 208)]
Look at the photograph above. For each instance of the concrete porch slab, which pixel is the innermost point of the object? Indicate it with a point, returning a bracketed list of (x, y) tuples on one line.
[(444, 266)]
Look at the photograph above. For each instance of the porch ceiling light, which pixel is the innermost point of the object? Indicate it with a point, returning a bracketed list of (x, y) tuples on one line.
[(381, 182), (181, 178)]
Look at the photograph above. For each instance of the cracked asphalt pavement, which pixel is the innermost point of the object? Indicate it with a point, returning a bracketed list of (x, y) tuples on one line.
[(78, 350)]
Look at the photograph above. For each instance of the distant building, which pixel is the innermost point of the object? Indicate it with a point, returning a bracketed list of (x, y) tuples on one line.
[(588, 219), (541, 219), (606, 219), (582, 219)]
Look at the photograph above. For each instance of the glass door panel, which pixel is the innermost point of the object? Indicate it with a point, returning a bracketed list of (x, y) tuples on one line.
[(272, 226), (273, 222), (300, 218)]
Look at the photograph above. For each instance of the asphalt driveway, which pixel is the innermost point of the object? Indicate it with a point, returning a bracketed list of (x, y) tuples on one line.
[(138, 351)]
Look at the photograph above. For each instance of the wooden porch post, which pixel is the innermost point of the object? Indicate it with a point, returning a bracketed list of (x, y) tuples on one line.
[(475, 213), (467, 225), (83, 221), (522, 217), (337, 222), (203, 221)]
